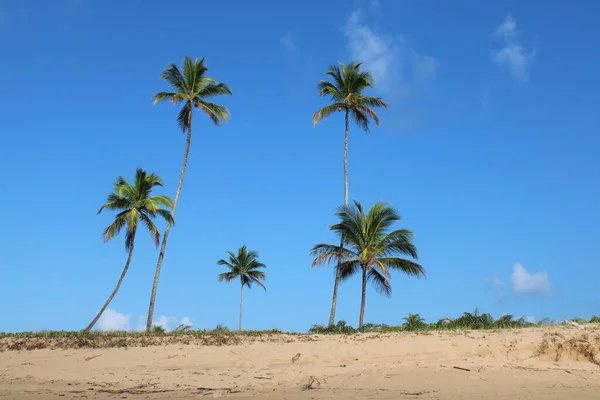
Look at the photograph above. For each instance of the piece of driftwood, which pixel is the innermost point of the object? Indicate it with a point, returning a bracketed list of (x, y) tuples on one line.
[(575, 324), (461, 368)]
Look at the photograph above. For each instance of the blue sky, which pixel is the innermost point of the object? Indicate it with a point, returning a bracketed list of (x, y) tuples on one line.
[(488, 151)]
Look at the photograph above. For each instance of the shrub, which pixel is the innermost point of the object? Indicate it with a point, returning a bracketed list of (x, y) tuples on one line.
[(340, 327), (414, 322)]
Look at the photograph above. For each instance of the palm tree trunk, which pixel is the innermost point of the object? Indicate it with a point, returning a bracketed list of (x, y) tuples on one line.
[(363, 300), (163, 246), (112, 295), (336, 284), (241, 303)]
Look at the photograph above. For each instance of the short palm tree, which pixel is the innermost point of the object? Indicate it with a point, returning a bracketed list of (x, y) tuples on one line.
[(136, 206), (191, 88), (243, 266), (369, 248), (346, 95)]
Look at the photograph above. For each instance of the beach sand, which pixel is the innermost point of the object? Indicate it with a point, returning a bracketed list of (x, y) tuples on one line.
[(537, 363)]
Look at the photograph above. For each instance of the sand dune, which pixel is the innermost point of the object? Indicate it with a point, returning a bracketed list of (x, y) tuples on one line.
[(540, 363)]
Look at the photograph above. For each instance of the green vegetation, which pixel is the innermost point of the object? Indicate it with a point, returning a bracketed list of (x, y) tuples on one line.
[(467, 321), (191, 88), (346, 95), (369, 248), (243, 266), (135, 206), (222, 335)]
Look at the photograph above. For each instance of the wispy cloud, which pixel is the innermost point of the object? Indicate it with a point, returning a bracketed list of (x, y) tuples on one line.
[(526, 283), (289, 45), (111, 320), (395, 65), (512, 55), (497, 285)]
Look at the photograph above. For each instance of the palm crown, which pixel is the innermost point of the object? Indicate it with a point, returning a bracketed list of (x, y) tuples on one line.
[(135, 204), (346, 94), (368, 247), (193, 87), (245, 266)]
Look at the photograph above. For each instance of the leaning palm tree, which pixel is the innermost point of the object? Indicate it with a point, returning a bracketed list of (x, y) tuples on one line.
[(346, 95), (369, 248), (243, 266), (191, 88), (135, 206)]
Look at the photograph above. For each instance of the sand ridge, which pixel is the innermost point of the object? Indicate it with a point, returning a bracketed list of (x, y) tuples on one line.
[(535, 363)]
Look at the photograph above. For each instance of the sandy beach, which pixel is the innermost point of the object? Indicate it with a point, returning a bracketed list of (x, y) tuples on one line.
[(537, 363)]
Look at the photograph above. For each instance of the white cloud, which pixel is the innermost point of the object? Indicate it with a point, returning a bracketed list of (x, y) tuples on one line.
[(390, 60), (512, 55), (112, 320), (530, 319), (186, 321), (287, 40), (524, 283), (163, 322)]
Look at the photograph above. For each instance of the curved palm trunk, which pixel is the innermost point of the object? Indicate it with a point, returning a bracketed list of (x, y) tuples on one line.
[(337, 270), (363, 300), (241, 303), (163, 246), (112, 295)]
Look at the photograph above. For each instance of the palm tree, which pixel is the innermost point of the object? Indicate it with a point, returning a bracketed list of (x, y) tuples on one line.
[(245, 266), (191, 88), (368, 247), (346, 95), (135, 206)]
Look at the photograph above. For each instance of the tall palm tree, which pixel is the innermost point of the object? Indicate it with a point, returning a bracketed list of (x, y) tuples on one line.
[(135, 206), (245, 266), (346, 95), (368, 247), (191, 88)]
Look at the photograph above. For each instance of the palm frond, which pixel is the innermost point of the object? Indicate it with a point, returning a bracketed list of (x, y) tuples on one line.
[(116, 202), (116, 226), (368, 113), (214, 111), (348, 269), (155, 202), (171, 97), (193, 70), (326, 112), (372, 101), (380, 282), (166, 215), (210, 89), (406, 266), (360, 118), (328, 253), (225, 263), (151, 228), (227, 276), (398, 242), (172, 75), (335, 71), (330, 91), (379, 219), (184, 119)]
